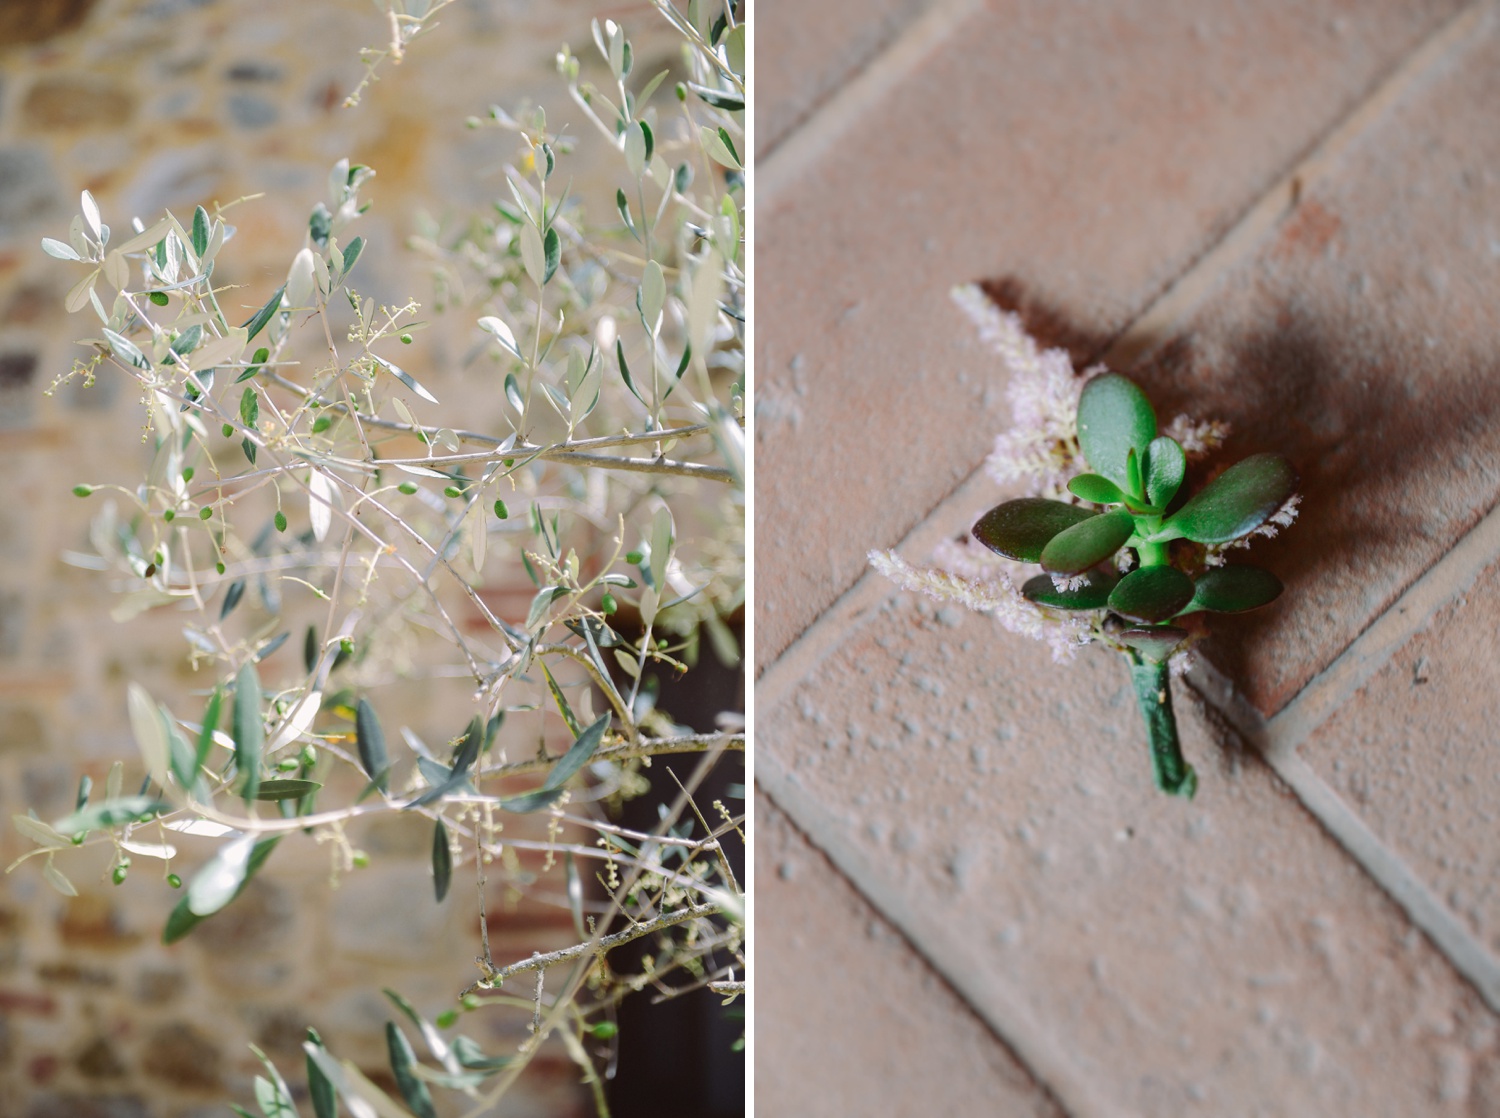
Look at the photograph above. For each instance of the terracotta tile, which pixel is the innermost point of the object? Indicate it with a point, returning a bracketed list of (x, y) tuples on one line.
[(1086, 156), (1222, 956), (1414, 753), (805, 52), (852, 1020), (1360, 342)]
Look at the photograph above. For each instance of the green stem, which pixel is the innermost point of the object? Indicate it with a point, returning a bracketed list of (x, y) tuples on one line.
[(1153, 691), (1152, 554)]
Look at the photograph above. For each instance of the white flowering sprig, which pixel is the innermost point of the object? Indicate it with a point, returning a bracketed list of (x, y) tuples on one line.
[(1130, 554)]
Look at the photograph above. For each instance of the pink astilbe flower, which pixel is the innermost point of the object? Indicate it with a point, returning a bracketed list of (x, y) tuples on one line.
[(1041, 449), (996, 596), (1198, 438)]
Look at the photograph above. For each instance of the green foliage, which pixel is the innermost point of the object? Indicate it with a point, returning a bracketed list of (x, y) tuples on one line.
[(1137, 476), (335, 494)]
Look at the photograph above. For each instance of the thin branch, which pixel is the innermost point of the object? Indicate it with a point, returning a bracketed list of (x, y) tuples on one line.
[(648, 747), (599, 946)]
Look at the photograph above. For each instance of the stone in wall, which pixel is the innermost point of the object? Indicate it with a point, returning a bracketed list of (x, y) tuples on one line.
[(76, 101), (25, 24), (184, 1056)]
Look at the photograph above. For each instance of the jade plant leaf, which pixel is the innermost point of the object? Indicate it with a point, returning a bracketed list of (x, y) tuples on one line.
[(1234, 589), (1020, 529), (1092, 595), (1096, 489), (1155, 643), (1166, 466), (1114, 418), (1151, 593), (1076, 549), (1235, 503)]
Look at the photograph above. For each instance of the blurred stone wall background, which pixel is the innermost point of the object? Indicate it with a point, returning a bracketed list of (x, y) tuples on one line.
[(173, 103)]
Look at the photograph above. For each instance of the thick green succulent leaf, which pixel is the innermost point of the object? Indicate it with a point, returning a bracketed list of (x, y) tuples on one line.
[(1114, 418), (1151, 593), (1096, 489), (1237, 502), (1154, 644), (1092, 595), (1166, 466), (1020, 529), (1234, 589), (1076, 549), (1134, 480)]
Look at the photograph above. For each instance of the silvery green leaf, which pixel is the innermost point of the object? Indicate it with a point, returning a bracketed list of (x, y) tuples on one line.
[(338, 181), (40, 833), (149, 730), (533, 254), (117, 271), (661, 544), (299, 279), (583, 747), (319, 503), (653, 295), (718, 98), (371, 741), (703, 302), (110, 813), (91, 213), (716, 142), (217, 882), (616, 55), (635, 150), (55, 248), (492, 325), (551, 255), (249, 731), (78, 295), (404, 377), (150, 238), (58, 880)]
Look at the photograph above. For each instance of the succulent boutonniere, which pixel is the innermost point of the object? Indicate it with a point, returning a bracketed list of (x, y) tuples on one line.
[(1131, 563)]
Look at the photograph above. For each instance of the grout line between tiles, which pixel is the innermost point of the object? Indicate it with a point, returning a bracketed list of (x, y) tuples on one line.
[(1445, 580), (853, 608), (810, 140), (1157, 323), (952, 949), (1466, 953)]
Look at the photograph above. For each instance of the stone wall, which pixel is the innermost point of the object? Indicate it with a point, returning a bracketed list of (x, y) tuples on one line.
[(153, 103)]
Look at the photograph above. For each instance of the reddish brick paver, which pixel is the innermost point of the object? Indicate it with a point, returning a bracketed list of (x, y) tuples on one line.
[(1414, 754), (804, 53), (1293, 212), (848, 1005), (1173, 958), (1087, 159), (1360, 340)]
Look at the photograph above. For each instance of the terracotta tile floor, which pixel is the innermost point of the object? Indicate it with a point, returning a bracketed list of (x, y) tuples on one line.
[(1286, 215)]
